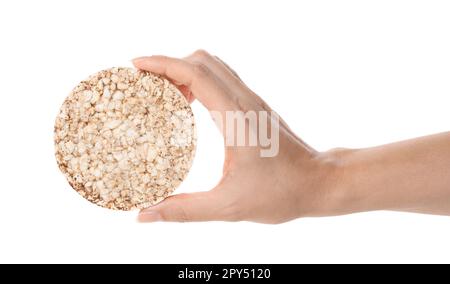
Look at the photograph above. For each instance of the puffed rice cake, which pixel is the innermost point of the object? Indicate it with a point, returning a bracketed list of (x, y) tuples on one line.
[(125, 139)]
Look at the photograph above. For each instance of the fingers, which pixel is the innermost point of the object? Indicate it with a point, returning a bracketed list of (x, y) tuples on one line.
[(229, 68), (203, 83), (217, 66), (174, 68), (195, 207), (229, 77), (186, 92)]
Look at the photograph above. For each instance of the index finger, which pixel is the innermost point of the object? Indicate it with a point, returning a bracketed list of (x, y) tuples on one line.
[(207, 88)]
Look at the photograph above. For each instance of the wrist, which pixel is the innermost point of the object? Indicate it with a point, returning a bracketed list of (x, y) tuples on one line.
[(337, 197)]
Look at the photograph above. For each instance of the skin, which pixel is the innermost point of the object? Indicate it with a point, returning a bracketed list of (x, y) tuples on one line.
[(411, 176)]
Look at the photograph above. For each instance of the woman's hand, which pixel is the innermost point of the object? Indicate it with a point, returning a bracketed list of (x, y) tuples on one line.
[(412, 176), (295, 182)]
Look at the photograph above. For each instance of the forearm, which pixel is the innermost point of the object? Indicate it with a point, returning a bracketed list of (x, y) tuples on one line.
[(412, 175)]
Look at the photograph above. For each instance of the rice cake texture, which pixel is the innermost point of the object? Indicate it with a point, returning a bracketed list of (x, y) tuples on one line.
[(125, 139)]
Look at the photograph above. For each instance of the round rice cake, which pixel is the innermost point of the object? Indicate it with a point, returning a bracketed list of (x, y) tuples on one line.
[(125, 138)]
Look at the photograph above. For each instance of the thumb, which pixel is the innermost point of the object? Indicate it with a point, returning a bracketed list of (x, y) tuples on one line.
[(194, 207)]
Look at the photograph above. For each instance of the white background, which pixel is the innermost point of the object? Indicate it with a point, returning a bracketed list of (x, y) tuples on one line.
[(341, 73)]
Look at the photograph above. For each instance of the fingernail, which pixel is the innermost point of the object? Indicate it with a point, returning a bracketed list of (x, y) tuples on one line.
[(149, 216)]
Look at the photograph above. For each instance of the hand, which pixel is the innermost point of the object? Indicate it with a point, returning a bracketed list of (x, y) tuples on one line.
[(296, 182), (411, 176)]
